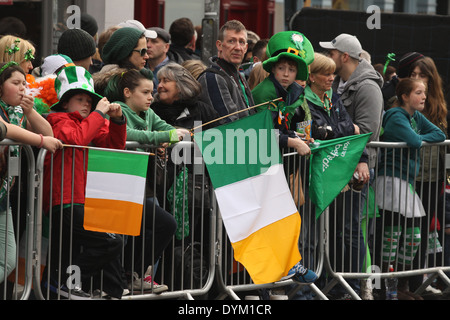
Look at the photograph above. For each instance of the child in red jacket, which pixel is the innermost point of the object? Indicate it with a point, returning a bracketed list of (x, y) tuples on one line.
[(80, 119)]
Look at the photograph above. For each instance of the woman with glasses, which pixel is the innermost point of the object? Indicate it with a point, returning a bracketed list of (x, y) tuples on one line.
[(125, 50)]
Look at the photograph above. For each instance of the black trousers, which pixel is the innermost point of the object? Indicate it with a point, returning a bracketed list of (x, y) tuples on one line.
[(158, 229), (94, 253)]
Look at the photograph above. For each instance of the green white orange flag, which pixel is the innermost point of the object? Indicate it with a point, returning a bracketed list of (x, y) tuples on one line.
[(115, 191), (332, 165), (259, 214)]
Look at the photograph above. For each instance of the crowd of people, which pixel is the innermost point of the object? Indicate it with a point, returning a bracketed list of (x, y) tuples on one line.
[(149, 85)]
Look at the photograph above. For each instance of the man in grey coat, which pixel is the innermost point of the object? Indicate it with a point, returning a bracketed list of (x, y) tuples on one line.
[(359, 87), (223, 85)]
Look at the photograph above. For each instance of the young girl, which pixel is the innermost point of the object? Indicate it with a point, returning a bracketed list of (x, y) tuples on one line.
[(430, 180), (18, 50), (133, 91), (404, 123), (16, 114)]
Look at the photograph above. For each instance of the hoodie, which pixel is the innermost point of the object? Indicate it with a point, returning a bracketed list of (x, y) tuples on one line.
[(400, 126), (363, 99)]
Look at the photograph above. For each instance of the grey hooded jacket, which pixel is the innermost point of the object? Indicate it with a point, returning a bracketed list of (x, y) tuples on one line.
[(363, 100)]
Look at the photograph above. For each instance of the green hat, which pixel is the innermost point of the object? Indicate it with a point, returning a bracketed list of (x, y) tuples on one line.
[(121, 45), (293, 45), (73, 80)]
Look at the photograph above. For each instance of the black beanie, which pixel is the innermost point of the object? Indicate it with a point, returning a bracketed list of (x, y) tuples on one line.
[(89, 24), (405, 63), (77, 44)]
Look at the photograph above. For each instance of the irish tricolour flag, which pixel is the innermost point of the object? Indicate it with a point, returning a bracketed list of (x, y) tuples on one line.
[(256, 205), (115, 190)]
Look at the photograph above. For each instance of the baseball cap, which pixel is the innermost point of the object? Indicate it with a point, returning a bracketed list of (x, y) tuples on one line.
[(344, 43), (135, 24), (163, 34)]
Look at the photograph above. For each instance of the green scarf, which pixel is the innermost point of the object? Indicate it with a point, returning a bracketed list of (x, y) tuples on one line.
[(314, 98), (15, 116)]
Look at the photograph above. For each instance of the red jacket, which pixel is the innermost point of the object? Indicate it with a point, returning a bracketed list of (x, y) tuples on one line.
[(72, 129)]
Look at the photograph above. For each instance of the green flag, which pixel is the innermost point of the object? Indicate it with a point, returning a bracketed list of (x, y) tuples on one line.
[(332, 165)]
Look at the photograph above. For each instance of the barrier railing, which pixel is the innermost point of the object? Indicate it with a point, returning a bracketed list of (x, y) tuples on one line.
[(198, 260), (233, 276), (362, 247), (17, 194), (187, 264)]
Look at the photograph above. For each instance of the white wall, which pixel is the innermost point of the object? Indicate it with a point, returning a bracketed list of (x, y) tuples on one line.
[(109, 13), (192, 9)]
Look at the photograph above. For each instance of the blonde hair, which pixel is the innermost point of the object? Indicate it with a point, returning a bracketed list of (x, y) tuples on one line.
[(8, 42), (195, 67), (321, 64), (257, 75)]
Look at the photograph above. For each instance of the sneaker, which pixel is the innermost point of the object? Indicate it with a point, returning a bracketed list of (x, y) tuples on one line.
[(101, 295), (301, 274), (146, 284), (157, 288), (74, 294)]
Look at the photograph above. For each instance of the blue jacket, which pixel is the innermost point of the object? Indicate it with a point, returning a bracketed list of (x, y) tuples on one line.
[(339, 120)]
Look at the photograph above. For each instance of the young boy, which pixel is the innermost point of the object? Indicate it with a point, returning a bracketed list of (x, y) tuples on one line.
[(289, 55), (79, 119)]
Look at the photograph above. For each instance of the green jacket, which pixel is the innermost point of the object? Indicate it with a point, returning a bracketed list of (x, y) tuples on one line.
[(294, 99), (151, 129)]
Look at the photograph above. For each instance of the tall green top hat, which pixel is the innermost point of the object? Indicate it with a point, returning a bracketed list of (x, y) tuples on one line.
[(73, 80), (293, 45)]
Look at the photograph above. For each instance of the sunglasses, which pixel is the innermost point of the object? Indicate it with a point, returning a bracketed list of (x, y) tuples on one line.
[(142, 52)]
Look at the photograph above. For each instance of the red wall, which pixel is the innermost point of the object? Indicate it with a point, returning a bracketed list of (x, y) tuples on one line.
[(257, 15), (150, 12)]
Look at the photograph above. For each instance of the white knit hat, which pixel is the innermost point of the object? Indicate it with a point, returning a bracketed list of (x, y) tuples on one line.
[(53, 63)]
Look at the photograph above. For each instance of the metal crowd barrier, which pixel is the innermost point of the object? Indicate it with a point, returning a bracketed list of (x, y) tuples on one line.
[(198, 263), (19, 165), (234, 279), (354, 252), (187, 265)]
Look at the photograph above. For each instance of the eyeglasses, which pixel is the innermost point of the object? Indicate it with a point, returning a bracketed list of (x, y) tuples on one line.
[(142, 52)]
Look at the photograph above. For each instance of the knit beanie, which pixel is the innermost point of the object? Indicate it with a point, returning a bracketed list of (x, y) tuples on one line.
[(89, 24), (121, 45), (405, 63), (77, 44)]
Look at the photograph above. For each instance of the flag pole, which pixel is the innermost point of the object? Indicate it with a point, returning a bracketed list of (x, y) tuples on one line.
[(107, 150), (234, 113)]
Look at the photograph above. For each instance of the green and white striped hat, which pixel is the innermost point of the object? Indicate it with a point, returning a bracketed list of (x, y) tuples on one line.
[(73, 80)]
